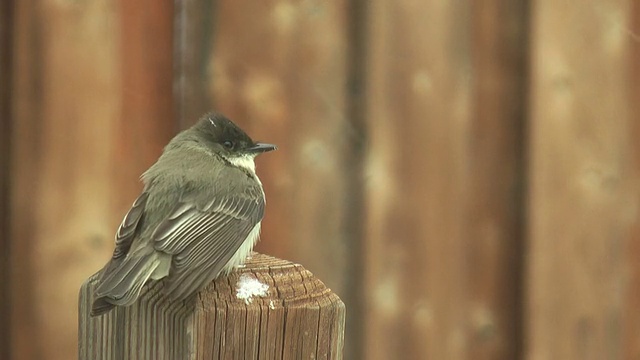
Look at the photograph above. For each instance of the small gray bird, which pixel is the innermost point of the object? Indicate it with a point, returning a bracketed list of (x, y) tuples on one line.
[(198, 216)]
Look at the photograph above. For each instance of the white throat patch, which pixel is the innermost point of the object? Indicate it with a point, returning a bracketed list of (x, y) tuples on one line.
[(245, 162)]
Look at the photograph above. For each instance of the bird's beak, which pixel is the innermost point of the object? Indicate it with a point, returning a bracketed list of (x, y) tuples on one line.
[(261, 147)]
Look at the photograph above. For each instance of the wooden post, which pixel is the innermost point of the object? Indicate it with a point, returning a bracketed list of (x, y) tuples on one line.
[(297, 318)]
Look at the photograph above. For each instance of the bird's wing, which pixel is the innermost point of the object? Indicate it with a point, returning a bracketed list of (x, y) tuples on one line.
[(203, 233), (128, 228), (121, 270)]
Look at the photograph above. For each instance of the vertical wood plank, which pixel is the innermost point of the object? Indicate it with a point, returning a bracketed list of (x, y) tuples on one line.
[(280, 69), (27, 109), (6, 53), (147, 118), (495, 227), (584, 179), (355, 155), (631, 326), (66, 85), (193, 31), (419, 114), (446, 108), (93, 108)]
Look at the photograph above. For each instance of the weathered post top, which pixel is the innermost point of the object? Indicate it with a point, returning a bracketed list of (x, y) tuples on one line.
[(235, 317)]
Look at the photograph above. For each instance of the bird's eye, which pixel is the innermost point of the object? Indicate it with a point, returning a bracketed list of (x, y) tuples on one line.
[(228, 144)]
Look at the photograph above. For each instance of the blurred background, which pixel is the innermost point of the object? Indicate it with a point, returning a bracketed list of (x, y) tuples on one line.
[(463, 174)]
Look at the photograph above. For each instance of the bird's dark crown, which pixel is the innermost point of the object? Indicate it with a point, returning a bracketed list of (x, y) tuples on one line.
[(221, 134)]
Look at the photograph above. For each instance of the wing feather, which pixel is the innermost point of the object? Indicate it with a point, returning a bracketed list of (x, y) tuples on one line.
[(127, 230), (202, 235)]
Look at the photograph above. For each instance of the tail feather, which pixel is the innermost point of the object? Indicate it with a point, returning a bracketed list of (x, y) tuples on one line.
[(121, 283), (119, 272), (101, 306)]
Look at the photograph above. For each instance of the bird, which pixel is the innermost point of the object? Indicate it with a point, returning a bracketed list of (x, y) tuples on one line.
[(198, 216)]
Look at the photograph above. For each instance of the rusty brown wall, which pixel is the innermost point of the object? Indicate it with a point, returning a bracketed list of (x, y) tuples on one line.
[(463, 174)]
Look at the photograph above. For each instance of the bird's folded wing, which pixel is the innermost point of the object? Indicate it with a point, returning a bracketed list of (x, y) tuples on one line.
[(203, 234), (128, 227)]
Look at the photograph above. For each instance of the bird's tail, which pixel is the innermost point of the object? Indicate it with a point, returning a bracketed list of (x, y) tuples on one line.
[(122, 280)]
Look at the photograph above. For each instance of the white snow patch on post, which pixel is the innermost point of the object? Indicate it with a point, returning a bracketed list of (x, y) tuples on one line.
[(248, 286)]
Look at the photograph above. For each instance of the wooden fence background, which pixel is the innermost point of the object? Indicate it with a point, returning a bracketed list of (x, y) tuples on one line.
[(464, 174)]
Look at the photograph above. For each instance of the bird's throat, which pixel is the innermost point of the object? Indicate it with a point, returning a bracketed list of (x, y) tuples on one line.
[(245, 162)]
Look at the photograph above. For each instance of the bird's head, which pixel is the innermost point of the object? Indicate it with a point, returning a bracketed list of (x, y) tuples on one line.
[(225, 138)]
